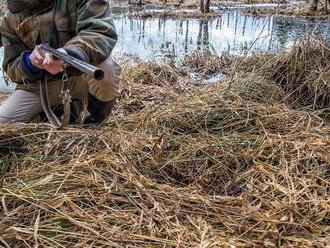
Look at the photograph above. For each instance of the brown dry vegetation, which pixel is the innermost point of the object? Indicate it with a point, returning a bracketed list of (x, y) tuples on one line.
[(207, 62), (195, 3), (303, 72), (178, 165), (170, 14), (301, 11)]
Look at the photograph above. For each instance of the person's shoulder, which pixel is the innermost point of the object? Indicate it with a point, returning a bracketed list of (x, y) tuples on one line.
[(11, 18), (9, 24)]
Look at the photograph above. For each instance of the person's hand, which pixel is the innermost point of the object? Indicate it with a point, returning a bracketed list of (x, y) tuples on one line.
[(45, 61), (37, 57), (52, 64)]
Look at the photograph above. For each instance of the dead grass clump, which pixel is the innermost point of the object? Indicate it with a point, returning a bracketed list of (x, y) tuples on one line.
[(189, 4), (173, 14), (151, 73), (208, 63), (253, 87), (216, 111), (148, 84), (301, 11), (303, 71)]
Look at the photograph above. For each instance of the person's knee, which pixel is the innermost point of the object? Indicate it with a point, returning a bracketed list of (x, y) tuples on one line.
[(20, 106), (6, 115)]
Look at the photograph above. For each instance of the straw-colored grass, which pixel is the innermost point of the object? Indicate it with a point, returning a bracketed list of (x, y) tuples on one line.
[(207, 63), (298, 11), (173, 14), (303, 71), (182, 166)]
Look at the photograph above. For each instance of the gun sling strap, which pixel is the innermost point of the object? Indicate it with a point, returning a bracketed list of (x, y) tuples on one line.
[(66, 99)]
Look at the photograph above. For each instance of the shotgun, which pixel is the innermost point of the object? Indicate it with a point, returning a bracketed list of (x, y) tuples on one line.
[(80, 65)]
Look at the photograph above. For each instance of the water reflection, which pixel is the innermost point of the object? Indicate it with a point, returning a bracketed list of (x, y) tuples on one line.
[(160, 39)]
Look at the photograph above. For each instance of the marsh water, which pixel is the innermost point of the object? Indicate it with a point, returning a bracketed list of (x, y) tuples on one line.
[(169, 40), (232, 31)]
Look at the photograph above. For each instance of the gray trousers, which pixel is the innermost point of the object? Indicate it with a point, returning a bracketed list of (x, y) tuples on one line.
[(23, 105)]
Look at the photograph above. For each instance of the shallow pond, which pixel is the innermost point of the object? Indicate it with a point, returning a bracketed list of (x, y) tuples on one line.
[(168, 41), (232, 31)]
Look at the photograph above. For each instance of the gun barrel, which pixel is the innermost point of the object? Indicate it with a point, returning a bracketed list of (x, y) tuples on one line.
[(82, 66)]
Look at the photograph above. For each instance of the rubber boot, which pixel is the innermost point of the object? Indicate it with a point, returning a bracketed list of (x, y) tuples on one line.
[(98, 110)]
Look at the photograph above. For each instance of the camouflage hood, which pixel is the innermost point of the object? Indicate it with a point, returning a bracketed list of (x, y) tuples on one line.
[(18, 6)]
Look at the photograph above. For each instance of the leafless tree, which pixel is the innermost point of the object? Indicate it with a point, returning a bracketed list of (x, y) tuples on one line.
[(201, 6), (207, 6), (204, 6)]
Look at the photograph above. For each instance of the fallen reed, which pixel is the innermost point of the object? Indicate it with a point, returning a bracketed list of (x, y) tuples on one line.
[(178, 165)]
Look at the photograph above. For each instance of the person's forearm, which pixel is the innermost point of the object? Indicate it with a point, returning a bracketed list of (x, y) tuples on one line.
[(21, 70)]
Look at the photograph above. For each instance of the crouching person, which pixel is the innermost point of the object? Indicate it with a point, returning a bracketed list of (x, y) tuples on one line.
[(80, 28)]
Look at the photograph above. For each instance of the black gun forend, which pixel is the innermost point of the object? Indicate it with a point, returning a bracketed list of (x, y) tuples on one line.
[(80, 65)]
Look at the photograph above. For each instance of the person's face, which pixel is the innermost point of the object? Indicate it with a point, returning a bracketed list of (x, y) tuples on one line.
[(18, 6)]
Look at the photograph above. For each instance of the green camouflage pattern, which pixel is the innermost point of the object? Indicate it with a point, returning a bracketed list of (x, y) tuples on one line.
[(85, 26)]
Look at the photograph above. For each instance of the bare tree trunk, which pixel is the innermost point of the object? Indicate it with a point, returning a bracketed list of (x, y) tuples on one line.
[(326, 7), (201, 6), (200, 35), (313, 5), (206, 38), (207, 6)]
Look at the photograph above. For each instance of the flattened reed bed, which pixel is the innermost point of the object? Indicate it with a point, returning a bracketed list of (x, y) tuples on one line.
[(197, 167), (183, 166)]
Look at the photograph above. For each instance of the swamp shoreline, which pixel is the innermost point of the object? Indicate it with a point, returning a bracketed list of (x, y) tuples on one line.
[(240, 163)]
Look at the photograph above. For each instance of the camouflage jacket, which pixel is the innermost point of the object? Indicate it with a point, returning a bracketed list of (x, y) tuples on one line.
[(84, 28)]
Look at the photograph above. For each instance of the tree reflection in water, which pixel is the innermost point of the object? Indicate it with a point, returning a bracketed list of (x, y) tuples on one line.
[(159, 39)]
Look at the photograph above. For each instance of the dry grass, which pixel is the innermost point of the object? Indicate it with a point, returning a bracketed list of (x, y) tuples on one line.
[(301, 11), (208, 62), (190, 4), (195, 3), (183, 166), (149, 84), (303, 71), (173, 14)]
